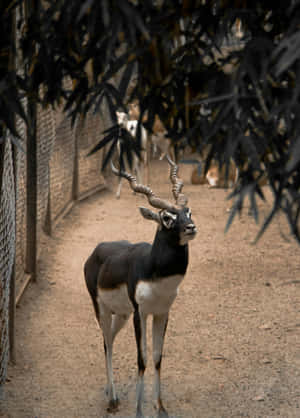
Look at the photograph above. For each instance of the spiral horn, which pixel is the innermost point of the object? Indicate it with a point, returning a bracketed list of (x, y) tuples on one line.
[(180, 198), (154, 201)]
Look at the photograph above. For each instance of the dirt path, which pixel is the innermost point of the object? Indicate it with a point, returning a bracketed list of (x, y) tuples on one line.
[(233, 342)]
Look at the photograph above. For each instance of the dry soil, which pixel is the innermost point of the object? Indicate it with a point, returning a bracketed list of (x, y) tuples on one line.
[(233, 342)]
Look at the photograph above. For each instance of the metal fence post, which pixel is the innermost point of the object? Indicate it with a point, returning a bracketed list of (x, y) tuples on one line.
[(12, 293), (2, 284), (75, 183), (48, 219), (12, 316), (32, 177), (31, 190)]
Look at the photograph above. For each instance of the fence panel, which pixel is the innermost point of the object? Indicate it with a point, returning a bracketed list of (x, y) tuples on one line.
[(21, 208), (20, 176), (62, 168), (46, 134), (64, 175), (7, 250), (89, 133)]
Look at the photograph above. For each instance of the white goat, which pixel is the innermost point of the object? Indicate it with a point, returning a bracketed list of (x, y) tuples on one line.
[(138, 163), (158, 137)]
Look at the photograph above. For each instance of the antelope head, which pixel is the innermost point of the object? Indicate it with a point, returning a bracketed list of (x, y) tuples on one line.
[(172, 218)]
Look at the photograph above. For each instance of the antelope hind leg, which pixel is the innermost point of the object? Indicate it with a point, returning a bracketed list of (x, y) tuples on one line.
[(106, 326), (140, 325)]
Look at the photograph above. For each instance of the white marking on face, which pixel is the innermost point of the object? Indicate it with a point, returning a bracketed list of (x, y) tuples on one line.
[(116, 300), (189, 213), (172, 215), (186, 236), (168, 219), (156, 297)]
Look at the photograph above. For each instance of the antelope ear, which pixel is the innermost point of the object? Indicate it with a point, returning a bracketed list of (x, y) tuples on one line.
[(149, 214)]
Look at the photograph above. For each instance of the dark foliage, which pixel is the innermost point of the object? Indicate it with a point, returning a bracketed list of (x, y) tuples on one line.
[(224, 97)]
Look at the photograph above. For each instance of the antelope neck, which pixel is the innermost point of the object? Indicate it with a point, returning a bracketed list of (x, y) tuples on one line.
[(168, 258)]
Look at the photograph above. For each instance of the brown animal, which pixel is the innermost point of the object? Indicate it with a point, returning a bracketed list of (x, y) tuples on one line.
[(214, 176), (198, 178), (217, 178)]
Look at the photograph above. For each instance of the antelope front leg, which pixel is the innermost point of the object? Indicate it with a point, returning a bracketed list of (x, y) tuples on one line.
[(159, 328), (140, 327)]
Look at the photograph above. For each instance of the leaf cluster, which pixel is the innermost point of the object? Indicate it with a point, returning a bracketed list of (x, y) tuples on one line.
[(224, 97)]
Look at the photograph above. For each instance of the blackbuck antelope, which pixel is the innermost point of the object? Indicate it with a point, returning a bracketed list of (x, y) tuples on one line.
[(139, 165), (142, 278)]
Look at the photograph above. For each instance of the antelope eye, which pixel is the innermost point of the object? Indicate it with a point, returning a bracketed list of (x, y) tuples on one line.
[(168, 219)]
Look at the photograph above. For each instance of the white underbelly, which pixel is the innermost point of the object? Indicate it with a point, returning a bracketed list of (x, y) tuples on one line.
[(116, 300), (156, 297)]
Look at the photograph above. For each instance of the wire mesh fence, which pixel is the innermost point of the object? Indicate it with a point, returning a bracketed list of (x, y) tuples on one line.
[(39, 183), (64, 175), (7, 250)]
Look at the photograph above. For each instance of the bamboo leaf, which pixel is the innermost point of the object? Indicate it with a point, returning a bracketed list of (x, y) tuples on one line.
[(287, 52), (295, 156), (102, 143), (266, 223), (109, 154), (125, 79)]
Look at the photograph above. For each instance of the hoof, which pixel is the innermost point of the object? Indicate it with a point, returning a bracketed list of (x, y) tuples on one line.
[(162, 413), (113, 405)]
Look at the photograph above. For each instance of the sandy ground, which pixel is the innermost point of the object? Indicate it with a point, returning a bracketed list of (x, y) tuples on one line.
[(233, 342)]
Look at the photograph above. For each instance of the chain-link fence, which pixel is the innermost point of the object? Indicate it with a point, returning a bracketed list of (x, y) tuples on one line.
[(7, 249), (64, 175), (39, 183)]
